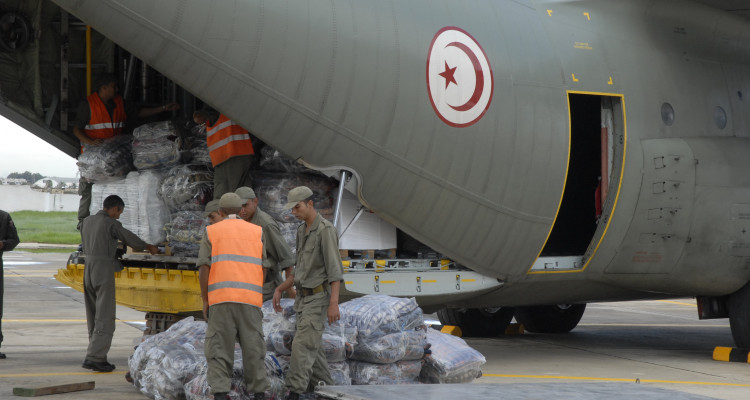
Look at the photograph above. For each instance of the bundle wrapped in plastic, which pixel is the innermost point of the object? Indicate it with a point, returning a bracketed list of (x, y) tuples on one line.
[(340, 373), (452, 360), (184, 232), (378, 315), (272, 161), (145, 213), (398, 373), (272, 189), (187, 187), (163, 363), (156, 145), (197, 388), (110, 160), (408, 345), (197, 147)]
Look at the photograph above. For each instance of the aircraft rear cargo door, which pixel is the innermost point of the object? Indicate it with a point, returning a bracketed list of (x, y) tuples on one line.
[(596, 153)]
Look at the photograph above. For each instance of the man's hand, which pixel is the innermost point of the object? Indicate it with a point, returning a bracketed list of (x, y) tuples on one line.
[(205, 310), (171, 107), (277, 300), (2, 244), (152, 249), (333, 312)]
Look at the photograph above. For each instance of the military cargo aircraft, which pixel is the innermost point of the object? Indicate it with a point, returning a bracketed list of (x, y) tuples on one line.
[(571, 151)]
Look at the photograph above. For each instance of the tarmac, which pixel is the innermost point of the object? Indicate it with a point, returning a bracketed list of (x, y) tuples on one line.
[(652, 348)]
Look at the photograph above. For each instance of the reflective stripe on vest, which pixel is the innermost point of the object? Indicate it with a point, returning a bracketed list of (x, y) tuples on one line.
[(236, 274), (102, 125), (226, 140)]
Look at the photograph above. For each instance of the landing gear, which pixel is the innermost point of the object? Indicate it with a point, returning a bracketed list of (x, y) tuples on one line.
[(739, 316), (477, 322), (559, 318)]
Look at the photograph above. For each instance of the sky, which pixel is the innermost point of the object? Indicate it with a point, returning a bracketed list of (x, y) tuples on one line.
[(21, 150)]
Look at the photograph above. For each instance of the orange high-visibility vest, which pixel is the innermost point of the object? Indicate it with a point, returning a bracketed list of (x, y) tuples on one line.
[(226, 139), (102, 125), (236, 274)]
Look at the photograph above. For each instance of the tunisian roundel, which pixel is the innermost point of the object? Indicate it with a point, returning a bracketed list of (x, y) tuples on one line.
[(459, 77)]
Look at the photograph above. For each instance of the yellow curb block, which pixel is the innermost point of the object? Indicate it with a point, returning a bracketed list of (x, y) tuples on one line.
[(731, 354), (451, 330)]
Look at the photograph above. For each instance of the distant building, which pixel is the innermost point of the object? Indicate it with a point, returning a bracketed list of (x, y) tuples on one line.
[(14, 181)]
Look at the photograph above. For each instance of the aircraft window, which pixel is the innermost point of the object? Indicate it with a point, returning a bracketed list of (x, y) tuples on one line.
[(667, 114), (720, 117)]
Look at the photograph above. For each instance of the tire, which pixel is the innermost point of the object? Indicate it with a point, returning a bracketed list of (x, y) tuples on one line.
[(550, 319), (478, 322), (739, 316)]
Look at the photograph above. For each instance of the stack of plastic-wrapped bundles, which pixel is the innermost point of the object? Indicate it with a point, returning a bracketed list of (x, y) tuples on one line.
[(108, 161), (156, 145), (186, 189), (145, 213), (279, 175), (379, 340)]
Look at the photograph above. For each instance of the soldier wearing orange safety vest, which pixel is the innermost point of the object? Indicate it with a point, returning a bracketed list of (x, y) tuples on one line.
[(101, 116), (231, 280), (231, 149)]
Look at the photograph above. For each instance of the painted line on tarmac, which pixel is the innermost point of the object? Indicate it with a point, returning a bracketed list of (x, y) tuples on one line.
[(677, 302), (60, 374), (63, 320), (661, 325), (592, 378)]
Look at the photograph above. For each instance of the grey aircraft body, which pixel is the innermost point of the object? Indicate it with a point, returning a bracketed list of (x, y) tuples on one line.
[(576, 151)]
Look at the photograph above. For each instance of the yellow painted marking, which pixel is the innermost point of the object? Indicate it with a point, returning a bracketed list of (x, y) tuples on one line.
[(610, 82), (677, 302), (588, 16), (59, 320), (549, 12), (574, 77), (583, 46), (387, 281), (661, 325), (616, 194), (429, 281), (593, 378), (468, 280), (348, 282), (61, 374)]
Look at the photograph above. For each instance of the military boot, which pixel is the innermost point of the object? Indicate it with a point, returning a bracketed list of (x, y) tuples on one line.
[(292, 396), (259, 396), (221, 396)]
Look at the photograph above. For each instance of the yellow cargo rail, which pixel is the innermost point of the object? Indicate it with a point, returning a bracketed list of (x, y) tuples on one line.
[(147, 289)]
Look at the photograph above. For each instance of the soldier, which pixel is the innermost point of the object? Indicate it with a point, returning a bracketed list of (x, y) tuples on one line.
[(317, 275), (230, 148), (8, 241), (231, 280), (103, 115), (278, 254), (99, 235)]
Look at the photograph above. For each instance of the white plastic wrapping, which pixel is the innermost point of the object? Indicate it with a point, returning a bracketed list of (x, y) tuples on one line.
[(145, 213), (156, 145), (187, 187), (184, 232), (378, 315), (398, 373), (110, 160), (452, 360)]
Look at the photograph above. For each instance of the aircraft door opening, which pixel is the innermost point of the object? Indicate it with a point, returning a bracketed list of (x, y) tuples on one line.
[(596, 152)]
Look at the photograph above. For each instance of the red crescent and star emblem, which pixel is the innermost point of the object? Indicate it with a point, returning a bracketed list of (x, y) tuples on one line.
[(459, 77)]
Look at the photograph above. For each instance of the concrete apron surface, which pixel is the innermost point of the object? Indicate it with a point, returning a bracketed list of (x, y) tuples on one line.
[(654, 344)]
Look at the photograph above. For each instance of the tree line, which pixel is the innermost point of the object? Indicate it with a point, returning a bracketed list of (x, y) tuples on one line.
[(30, 177)]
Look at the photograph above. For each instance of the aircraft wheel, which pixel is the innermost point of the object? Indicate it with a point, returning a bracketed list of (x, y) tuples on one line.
[(739, 316), (559, 318), (478, 322)]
